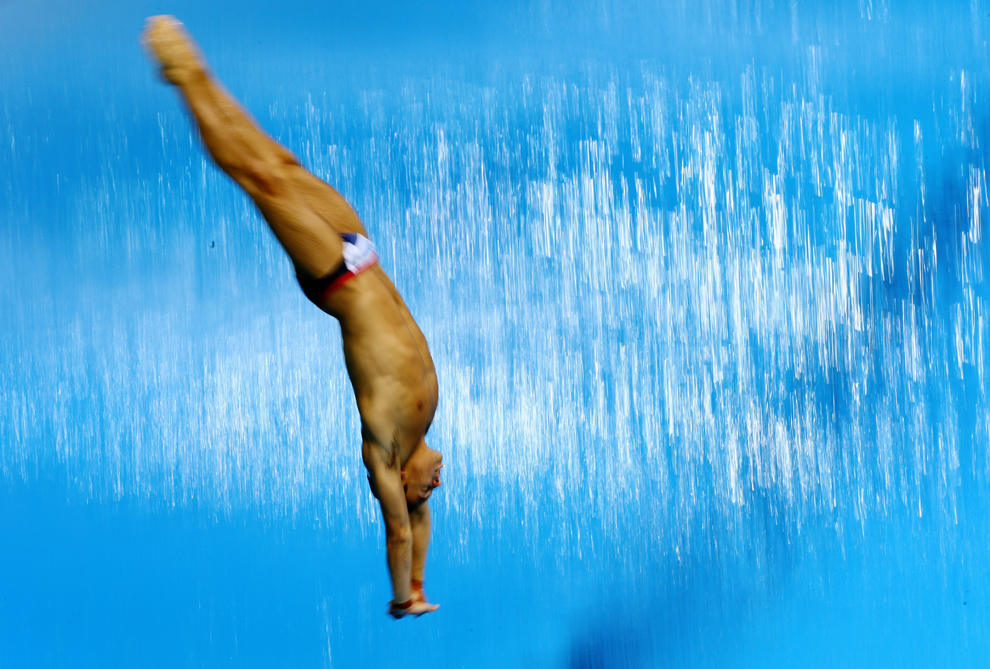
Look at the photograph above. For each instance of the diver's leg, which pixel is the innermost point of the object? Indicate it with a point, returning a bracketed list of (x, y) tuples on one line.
[(324, 199), (304, 217)]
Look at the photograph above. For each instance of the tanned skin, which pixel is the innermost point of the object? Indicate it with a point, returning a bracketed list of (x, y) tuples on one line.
[(391, 371)]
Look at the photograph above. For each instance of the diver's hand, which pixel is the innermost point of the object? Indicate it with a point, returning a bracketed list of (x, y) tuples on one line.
[(168, 43), (414, 607)]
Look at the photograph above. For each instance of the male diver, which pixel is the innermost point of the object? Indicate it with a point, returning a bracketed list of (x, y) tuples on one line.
[(387, 359)]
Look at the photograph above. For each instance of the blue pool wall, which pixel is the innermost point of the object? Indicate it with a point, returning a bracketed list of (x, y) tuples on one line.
[(703, 283)]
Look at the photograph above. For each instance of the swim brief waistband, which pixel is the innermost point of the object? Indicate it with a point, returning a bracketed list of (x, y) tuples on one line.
[(359, 255)]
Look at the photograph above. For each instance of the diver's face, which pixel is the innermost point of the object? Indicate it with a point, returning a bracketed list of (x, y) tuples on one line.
[(420, 482)]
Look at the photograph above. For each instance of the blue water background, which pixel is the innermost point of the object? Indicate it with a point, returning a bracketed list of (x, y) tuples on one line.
[(704, 284)]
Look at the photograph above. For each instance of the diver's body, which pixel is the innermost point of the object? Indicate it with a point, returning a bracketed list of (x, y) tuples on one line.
[(388, 361)]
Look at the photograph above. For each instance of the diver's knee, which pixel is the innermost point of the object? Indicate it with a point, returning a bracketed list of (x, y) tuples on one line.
[(264, 171), (263, 178)]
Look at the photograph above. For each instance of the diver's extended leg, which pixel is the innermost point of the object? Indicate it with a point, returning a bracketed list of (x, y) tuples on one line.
[(304, 213)]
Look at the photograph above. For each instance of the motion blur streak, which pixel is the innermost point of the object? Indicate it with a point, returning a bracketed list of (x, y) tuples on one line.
[(705, 289)]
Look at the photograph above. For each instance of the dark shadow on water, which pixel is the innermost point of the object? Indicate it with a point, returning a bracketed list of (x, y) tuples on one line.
[(691, 611), (612, 647)]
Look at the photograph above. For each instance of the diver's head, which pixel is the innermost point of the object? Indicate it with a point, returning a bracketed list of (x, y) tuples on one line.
[(421, 474)]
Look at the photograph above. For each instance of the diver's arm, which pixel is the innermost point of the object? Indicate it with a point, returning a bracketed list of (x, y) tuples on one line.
[(419, 521), (387, 484)]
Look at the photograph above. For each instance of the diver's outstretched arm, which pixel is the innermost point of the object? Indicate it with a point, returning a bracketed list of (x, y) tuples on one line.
[(386, 483), (419, 521), (420, 524), (260, 165)]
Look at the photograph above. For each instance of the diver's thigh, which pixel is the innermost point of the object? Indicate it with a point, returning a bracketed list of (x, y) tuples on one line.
[(324, 199), (311, 244)]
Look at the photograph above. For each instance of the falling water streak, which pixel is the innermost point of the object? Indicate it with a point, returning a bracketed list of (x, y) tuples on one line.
[(674, 308)]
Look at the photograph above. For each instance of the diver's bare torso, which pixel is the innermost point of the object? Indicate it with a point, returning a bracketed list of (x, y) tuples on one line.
[(395, 383)]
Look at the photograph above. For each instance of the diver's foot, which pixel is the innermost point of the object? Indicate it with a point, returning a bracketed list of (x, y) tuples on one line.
[(413, 607), (167, 42)]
